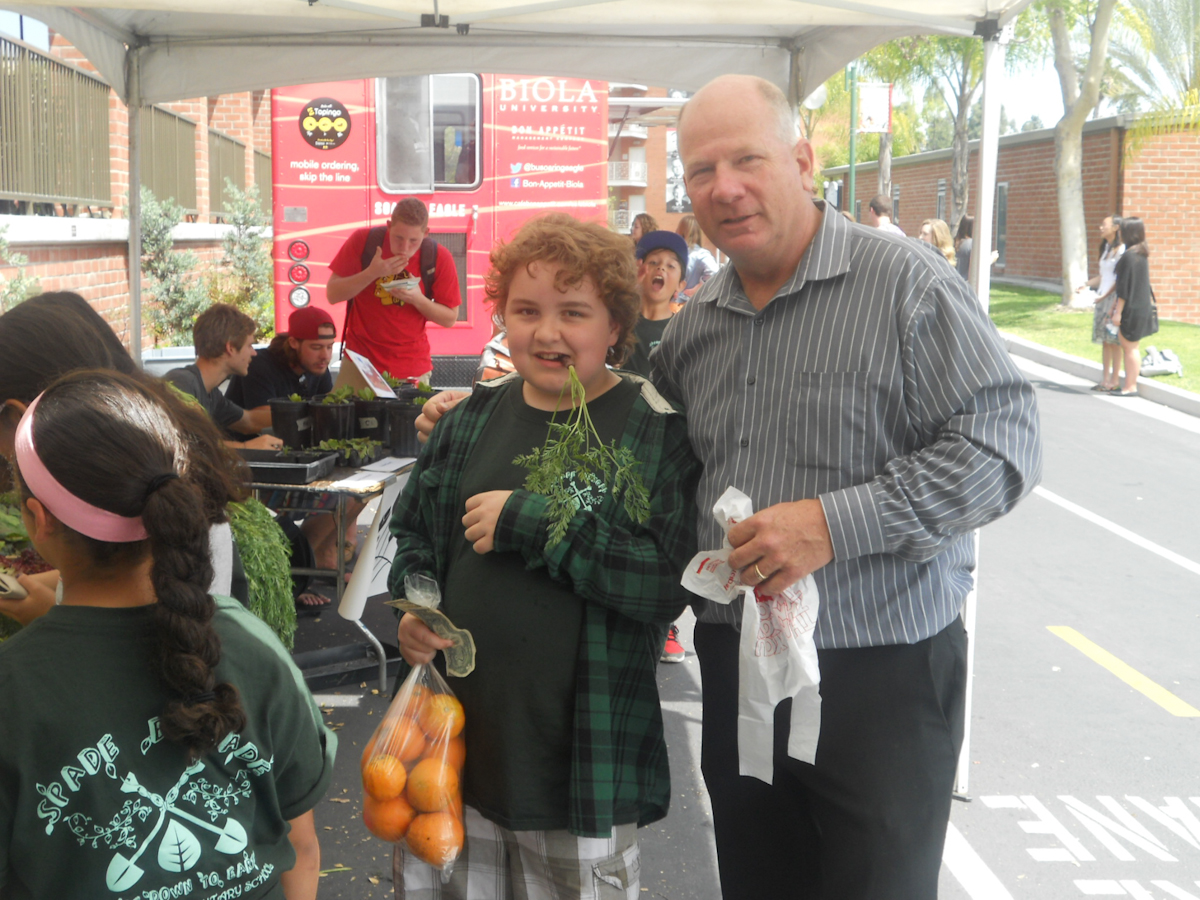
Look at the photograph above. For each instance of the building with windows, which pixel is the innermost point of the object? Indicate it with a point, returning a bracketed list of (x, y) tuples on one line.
[(1154, 181), (64, 166)]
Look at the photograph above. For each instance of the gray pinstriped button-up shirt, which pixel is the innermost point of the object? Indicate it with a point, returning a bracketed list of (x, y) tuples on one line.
[(874, 381)]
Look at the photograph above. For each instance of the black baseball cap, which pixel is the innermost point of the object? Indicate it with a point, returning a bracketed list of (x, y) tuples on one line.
[(663, 240)]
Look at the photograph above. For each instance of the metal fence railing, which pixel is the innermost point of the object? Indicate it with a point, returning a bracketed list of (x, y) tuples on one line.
[(53, 130), (226, 159), (262, 178), (169, 156), (627, 172)]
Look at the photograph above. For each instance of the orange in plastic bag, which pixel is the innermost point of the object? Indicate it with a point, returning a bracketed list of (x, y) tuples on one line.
[(412, 771)]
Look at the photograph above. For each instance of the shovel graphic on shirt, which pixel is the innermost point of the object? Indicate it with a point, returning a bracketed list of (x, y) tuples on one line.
[(179, 850)]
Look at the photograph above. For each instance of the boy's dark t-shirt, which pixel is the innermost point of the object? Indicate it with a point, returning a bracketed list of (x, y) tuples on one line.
[(220, 408), (520, 700), (649, 333)]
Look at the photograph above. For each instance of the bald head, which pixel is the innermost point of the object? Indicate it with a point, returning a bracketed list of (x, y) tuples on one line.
[(750, 178), (732, 91)]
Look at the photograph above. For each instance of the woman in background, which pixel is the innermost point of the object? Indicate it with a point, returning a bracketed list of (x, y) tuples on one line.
[(963, 244), (1134, 313), (1104, 332), (701, 264), (643, 224), (937, 233)]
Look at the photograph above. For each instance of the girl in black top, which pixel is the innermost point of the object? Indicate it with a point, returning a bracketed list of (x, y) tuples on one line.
[(1134, 312)]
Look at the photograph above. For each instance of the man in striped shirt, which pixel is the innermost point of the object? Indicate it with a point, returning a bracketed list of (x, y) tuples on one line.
[(849, 382)]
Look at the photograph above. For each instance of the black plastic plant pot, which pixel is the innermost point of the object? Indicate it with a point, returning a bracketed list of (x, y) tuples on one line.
[(292, 422), (402, 417), (332, 421), (356, 459), (370, 420)]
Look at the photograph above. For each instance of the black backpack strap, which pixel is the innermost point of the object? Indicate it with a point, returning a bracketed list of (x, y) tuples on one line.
[(429, 256), (375, 238)]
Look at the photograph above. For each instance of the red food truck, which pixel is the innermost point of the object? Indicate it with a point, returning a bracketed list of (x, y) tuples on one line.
[(484, 152)]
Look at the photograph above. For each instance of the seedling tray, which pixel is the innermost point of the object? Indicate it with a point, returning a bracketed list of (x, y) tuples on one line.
[(274, 467)]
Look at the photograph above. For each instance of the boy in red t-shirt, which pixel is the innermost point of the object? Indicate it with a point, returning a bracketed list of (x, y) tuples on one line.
[(385, 321)]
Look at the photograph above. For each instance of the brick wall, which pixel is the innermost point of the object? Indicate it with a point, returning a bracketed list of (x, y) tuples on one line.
[(1027, 167), (1156, 184), (99, 271), (100, 274), (656, 176), (1160, 186)]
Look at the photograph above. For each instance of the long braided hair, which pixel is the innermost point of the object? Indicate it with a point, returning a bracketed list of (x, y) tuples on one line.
[(110, 441)]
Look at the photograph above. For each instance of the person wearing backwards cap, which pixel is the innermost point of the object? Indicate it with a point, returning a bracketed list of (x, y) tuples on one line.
[(294, 363), (662, 272), (298, 363)]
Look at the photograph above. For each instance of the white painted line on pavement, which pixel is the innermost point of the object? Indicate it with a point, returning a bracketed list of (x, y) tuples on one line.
[(968, 867), (1134, 404), (331, 700), (1105, 888), (1109, 525)]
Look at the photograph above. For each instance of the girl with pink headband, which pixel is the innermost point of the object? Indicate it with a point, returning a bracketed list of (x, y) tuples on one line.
[(54, 333), (190, 755)]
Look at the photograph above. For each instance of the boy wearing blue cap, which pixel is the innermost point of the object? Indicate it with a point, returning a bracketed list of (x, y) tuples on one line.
[(662, 271)]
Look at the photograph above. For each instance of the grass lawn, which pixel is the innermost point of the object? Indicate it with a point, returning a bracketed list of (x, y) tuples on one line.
[(1036, 316)]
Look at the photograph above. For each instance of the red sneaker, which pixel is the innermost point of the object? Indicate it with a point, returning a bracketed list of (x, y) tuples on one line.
[(673, 651)]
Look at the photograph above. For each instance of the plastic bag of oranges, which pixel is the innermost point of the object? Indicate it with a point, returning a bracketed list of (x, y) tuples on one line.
[(412, 771)]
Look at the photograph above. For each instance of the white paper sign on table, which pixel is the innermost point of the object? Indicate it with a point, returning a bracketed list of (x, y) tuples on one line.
[(777, 657)]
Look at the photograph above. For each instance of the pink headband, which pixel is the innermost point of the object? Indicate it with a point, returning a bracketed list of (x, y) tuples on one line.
[(67, 508)]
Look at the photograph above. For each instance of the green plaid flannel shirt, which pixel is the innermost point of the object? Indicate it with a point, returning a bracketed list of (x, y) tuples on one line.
[(627, 573)]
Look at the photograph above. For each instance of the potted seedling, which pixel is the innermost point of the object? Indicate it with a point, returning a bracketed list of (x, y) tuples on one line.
[(402, 416), (291, 420), (370, 416), (333, 416), (355, 452)]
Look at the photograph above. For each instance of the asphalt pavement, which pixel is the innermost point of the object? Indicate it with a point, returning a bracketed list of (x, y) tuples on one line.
[(1084, 758)]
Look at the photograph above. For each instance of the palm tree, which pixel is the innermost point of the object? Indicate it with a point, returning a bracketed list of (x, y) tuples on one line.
[(1156, 45)]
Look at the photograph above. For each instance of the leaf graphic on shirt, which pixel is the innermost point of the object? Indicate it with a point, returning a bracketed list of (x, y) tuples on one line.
[(179, 850)]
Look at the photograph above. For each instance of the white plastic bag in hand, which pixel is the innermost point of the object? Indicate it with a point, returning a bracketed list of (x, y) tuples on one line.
[(777, 656)]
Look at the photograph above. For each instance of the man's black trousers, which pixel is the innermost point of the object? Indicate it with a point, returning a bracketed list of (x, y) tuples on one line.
[(868, 820)]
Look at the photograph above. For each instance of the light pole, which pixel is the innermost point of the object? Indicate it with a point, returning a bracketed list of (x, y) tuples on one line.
[(852, 84)]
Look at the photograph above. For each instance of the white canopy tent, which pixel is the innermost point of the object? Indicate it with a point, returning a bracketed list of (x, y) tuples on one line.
[(154, 51)]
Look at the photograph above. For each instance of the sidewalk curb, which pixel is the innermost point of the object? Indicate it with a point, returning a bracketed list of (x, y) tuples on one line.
[(1148, 389)]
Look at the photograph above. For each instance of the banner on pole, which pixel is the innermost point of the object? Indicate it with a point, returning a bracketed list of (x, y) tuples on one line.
[(874, 108)]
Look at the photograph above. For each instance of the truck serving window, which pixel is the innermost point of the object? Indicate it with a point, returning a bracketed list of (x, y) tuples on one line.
[(427, 130)]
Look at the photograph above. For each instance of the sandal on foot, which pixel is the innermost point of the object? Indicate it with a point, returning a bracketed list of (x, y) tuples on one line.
[(1102, 388), (311, 603)]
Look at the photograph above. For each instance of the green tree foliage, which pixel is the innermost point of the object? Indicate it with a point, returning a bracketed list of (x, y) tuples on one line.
[(1156, 46), (178, 296), (245, 277), (20, 286)]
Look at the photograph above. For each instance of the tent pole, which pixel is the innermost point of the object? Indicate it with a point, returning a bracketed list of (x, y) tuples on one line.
[(134, 107), (993, 71)]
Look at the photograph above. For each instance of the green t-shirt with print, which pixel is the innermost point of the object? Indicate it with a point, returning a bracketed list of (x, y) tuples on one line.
[(95, 803), (520, 700)]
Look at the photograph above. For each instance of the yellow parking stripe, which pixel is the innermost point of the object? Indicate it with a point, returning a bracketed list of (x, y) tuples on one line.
[(1125, 672)]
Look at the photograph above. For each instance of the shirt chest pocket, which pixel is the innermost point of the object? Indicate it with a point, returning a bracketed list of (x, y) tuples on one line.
[(830, 427)]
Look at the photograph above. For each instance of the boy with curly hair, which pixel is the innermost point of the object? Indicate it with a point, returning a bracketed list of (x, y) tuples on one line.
[(565, 755)]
